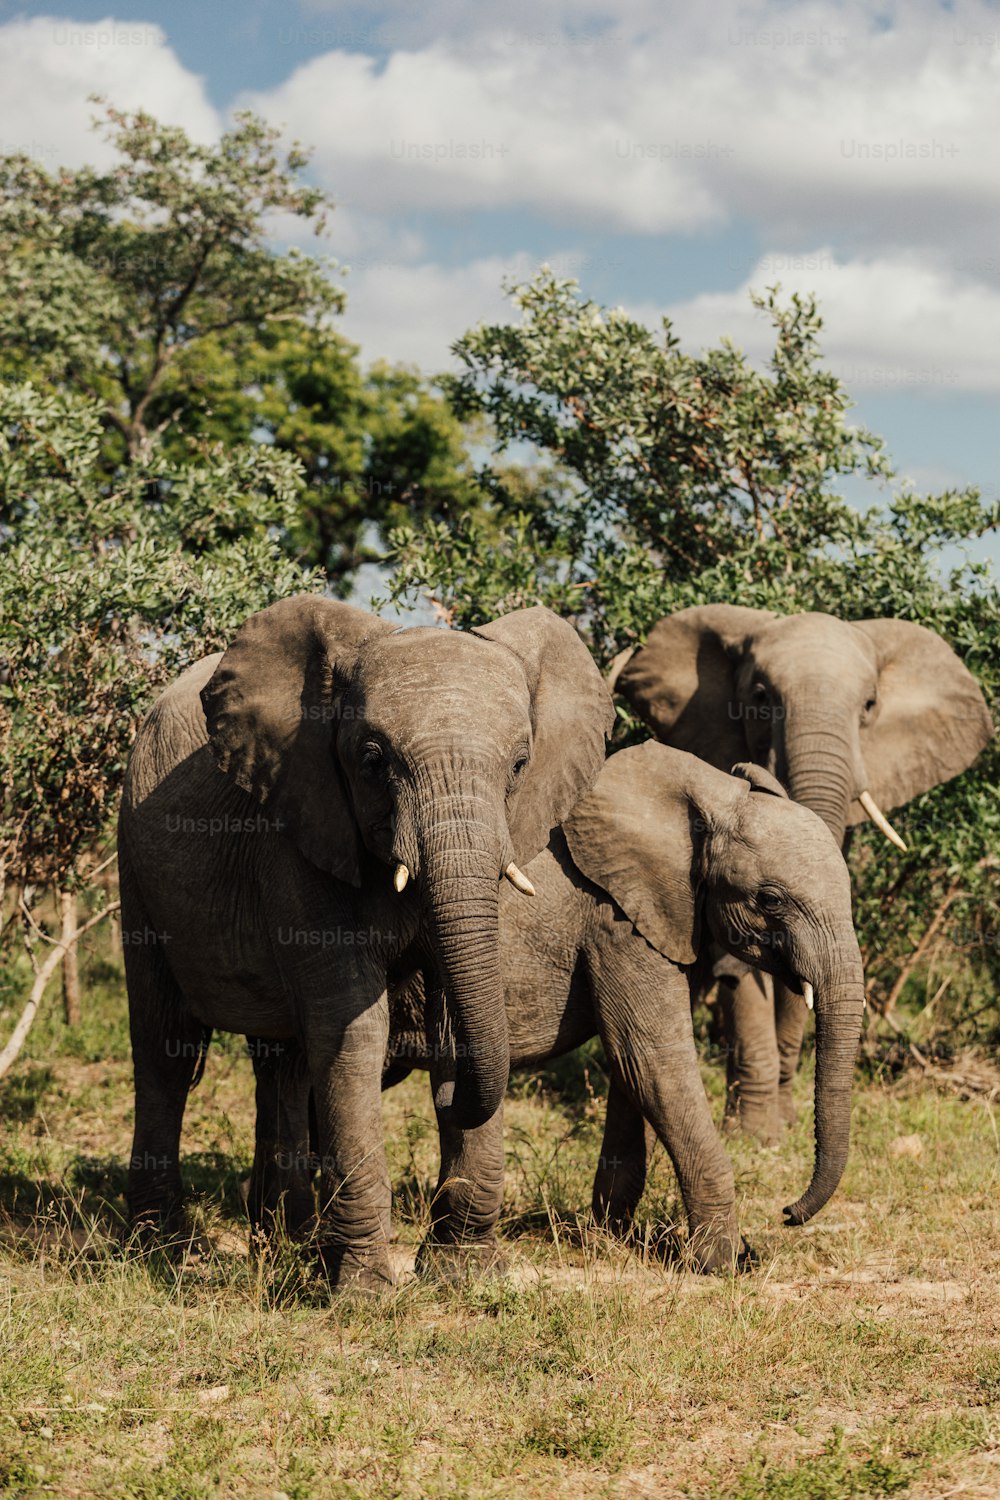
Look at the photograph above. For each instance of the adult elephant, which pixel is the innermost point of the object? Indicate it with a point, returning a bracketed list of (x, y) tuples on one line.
[(664, 854), (305, 819), (853, 717)]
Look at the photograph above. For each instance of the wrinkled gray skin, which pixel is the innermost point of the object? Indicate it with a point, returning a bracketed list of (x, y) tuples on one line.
[(662, 856), (270, 794), (832, 709)]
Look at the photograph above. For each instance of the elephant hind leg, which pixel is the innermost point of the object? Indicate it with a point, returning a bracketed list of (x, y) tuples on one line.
[(168, 1052), (280, 1196), (620, 1178)]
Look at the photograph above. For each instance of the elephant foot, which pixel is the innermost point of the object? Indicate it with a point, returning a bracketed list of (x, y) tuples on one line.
[(721, 1256), (457, 1262), (714, 1244), (356, 1269), (163, 1231), (708, 1250), (788, 1113), (750, 1117)]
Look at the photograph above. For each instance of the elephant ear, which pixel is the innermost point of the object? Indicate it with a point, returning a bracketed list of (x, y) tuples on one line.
[(270, 708), (571, 715), (682, 682), (759, 779), (932, 719), (640, 835)]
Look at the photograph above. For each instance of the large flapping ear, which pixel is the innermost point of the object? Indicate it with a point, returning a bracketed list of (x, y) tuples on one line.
[(932, 719), (683, 681), (571, 715), (759, 779), (270, 708), (640, 835)]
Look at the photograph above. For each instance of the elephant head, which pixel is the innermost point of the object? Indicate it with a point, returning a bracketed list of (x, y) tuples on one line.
[(690, 853), (435, 756), (852, 717)]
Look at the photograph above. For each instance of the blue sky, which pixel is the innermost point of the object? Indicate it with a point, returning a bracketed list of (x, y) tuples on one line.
[(668, 158)]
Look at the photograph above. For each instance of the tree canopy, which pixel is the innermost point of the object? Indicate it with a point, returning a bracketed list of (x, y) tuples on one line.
[(153, 288)]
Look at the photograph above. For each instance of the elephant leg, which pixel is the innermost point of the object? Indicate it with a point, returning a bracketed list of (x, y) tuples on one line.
[(281, 1195), (790, 1023), (621, 1169), (168, 1050), (643, 1007), (752, 1063), (345, 1065), (671, 1095), (469, 1193)]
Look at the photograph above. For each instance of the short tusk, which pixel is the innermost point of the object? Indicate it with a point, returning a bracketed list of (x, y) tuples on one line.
[(519, 881), (880, 820), (400, 878), (807, 993)]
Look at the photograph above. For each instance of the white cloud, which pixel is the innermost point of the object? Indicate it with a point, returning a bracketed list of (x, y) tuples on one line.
[(890, 322), (50, 65), (414, 313), (873, 125)]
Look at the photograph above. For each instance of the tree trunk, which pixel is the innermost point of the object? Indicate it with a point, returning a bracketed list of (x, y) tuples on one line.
[(71, 964)]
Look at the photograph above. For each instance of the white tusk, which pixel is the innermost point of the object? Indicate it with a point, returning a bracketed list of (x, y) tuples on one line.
[(807, 993), (519, 881), (880, 820), (400, 878)]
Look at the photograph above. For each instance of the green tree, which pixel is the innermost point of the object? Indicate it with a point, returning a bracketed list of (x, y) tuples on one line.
[(377, 449), (151, 287), (106, 591), (677, 479), (111, 278), (107, 588)]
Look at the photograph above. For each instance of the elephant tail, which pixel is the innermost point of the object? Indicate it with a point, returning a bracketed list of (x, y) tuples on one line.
[(199, 1067)]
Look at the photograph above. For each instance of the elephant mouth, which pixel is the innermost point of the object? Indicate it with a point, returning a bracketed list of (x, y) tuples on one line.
[(778, 966)]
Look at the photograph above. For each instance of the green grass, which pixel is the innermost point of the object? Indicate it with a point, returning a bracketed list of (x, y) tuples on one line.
[(860, 1359)]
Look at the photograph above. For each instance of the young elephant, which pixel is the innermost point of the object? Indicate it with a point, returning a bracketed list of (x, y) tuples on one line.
[(664, 854)]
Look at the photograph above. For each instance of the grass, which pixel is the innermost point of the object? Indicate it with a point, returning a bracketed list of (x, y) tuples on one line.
[(860, 1359)]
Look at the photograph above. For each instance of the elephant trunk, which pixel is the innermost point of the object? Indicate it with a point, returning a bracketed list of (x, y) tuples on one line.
[(839, 999), (821, 760), (462, 899)]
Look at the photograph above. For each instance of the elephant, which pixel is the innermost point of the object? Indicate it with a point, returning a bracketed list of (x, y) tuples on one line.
[(663, 854), (306, 818), (853, 717)]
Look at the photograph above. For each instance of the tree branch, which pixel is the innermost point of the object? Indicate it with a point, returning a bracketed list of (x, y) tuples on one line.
[(10, 1053)]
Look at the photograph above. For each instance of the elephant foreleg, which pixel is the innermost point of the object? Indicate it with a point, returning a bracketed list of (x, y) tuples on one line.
[(644, 1014), (469, 1192), (355, 1195), (752, 1062)]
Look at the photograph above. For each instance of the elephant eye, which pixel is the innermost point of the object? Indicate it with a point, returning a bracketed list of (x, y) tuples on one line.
[(519, 764), (372, 755), (758, 692), (869, 705), (769, 899)]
